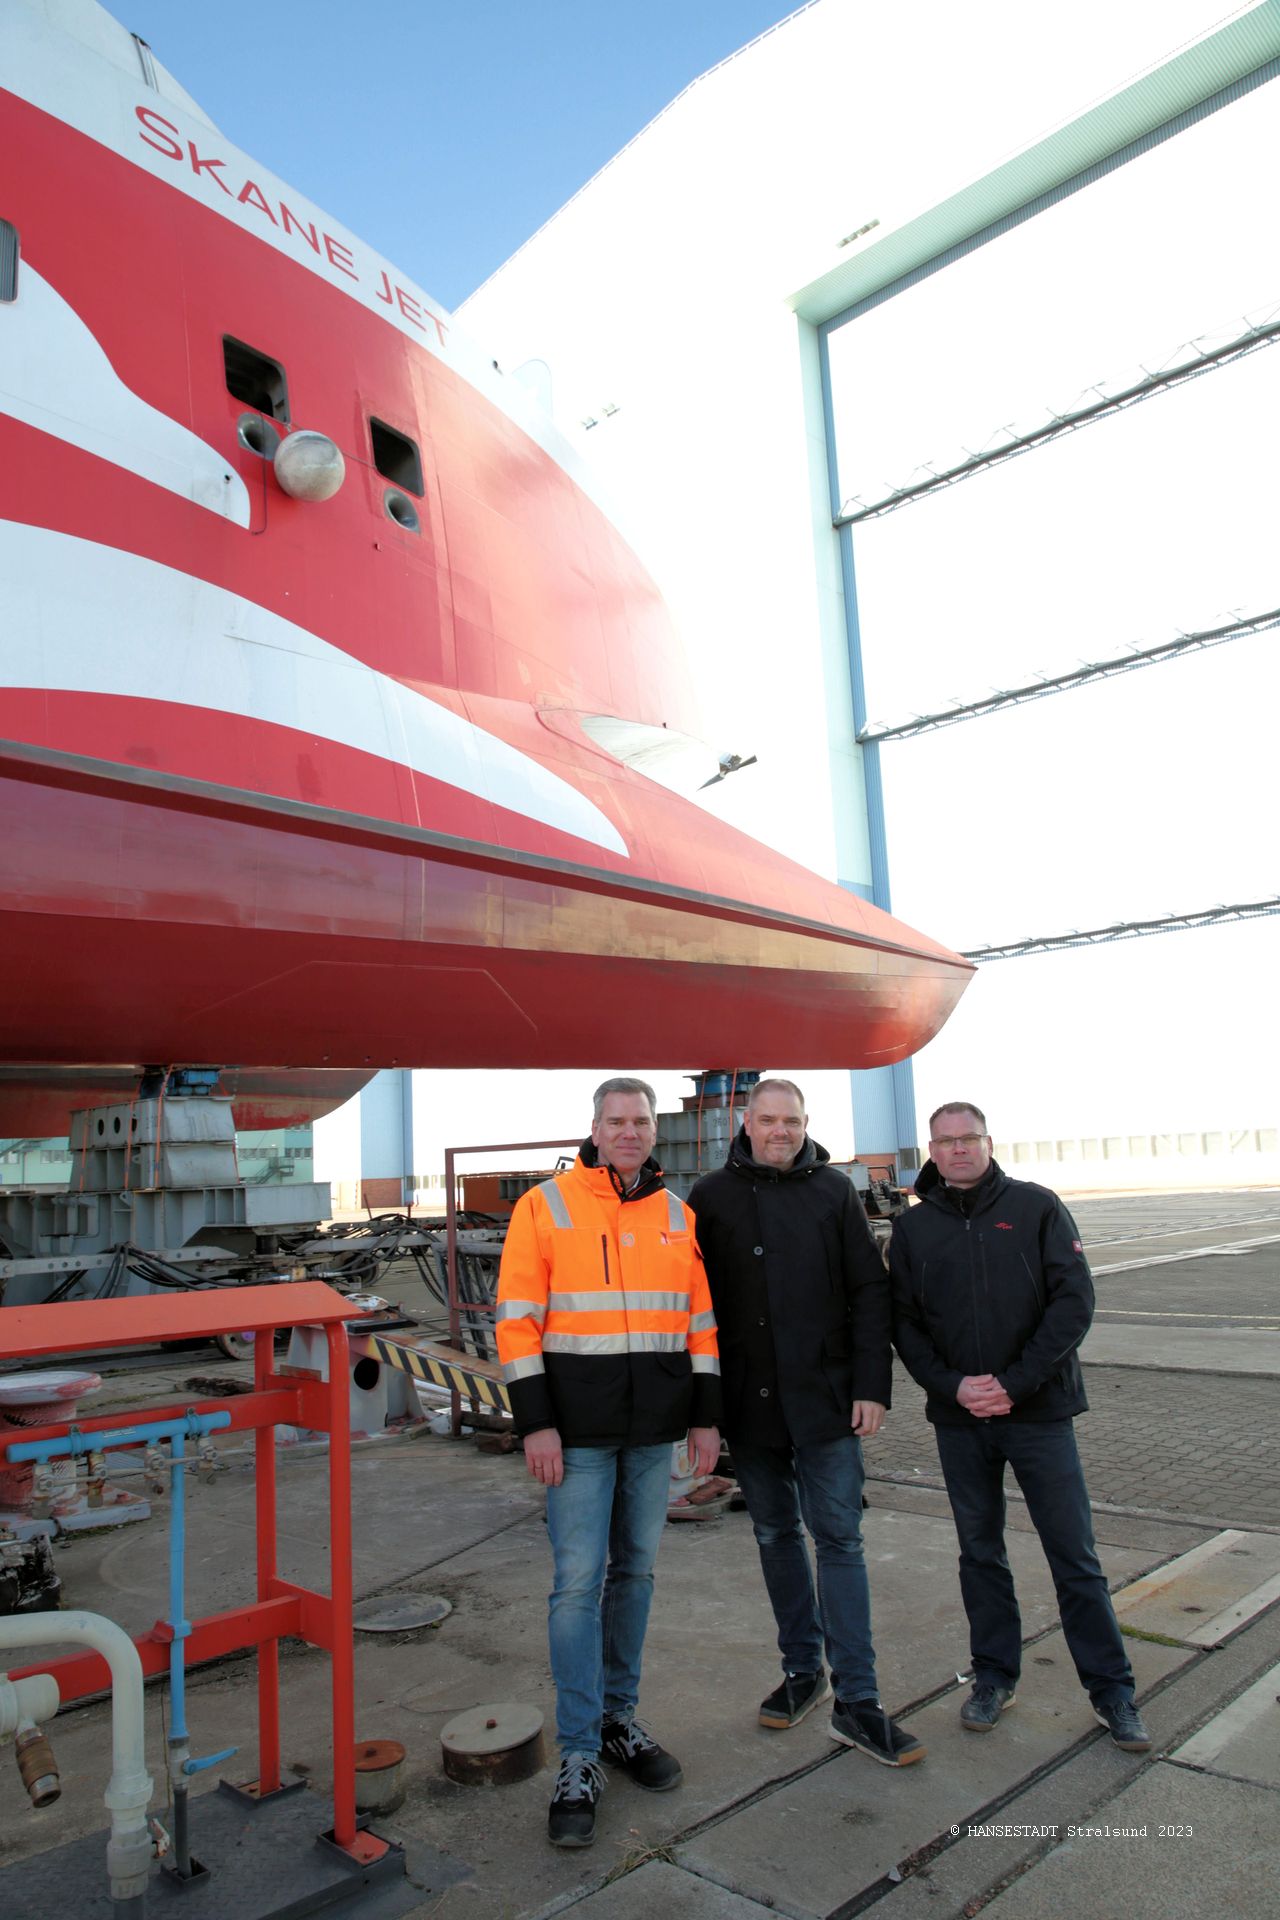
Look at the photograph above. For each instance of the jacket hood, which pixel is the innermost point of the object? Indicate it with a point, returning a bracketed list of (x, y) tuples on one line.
[(810, 1157), (650, 1173), (927, 1179)]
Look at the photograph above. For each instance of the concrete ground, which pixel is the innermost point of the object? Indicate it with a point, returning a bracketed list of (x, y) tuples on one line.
[(1040, 1817)]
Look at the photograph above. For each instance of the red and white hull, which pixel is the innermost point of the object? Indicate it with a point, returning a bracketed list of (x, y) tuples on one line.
[(290, 783)]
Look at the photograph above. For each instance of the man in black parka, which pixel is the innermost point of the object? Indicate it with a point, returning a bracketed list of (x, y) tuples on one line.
[(802, 1307), (992, 1296)]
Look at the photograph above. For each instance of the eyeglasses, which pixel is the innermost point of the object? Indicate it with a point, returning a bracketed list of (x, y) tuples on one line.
[(958, 1140)]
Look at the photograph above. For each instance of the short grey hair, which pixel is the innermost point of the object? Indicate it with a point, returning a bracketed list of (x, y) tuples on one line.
[(623, 1085), (775, 1086), (958, 1106)]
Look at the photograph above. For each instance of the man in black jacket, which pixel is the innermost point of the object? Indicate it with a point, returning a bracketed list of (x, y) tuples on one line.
[(992, 1297), (802, 1307)]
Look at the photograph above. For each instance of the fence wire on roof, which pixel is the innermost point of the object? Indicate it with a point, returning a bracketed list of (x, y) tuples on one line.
[(1125, 930), (1198, 357), (1081, 676)]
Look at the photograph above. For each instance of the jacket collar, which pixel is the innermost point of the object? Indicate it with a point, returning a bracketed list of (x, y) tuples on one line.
[(603, 1178), (931, 1186), (741, 1159)]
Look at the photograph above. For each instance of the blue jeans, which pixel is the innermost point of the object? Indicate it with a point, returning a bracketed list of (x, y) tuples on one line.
[(605, 1520), (1047, 1467), (823, 1483)]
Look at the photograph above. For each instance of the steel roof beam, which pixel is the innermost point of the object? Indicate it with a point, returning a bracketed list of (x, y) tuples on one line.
[(1126, 930), (1162, 381), (1219, 60), (1081, 676)]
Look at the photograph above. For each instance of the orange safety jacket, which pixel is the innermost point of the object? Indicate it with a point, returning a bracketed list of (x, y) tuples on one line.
[(605, 1328)]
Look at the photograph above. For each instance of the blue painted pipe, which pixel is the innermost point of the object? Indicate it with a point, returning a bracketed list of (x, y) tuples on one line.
[(177, 1595), (77, 1441), (181, 1765), (180, 1627)]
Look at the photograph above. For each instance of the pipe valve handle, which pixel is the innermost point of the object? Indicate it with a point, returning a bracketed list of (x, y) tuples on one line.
[(210, 1760)]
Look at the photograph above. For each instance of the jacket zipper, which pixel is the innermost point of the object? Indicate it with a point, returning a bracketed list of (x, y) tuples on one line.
[(604, 1248), (973, 1290)]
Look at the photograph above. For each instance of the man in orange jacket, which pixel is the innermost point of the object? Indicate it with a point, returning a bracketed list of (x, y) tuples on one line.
[(608, 1350)]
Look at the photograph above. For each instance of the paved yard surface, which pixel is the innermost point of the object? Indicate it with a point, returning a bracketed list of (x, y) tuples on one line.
[(1179, 1443), (1203, 1442)]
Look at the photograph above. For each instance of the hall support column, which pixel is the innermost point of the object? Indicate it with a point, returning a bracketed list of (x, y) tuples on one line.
[(386, 1140), (883, 1098)]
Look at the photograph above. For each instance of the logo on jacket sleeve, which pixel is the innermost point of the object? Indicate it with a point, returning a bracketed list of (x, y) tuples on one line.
[(1077, 1247)]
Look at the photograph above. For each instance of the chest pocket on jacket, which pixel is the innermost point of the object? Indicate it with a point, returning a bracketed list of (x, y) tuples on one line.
[(666, 1254)]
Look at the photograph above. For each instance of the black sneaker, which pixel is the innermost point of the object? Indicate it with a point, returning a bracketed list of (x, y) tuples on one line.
[(1124, 1723), (571, 1820), (866, 1726), (625, 1744), (985, 1705), (799, 1694)]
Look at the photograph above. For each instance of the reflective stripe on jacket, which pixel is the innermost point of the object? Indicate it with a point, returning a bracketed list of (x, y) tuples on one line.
[(605, 1329)]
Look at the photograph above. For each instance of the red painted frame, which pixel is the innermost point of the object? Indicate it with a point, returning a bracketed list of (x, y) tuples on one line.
[(281, 1607)]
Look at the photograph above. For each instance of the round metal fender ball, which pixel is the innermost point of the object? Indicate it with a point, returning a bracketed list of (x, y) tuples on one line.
[(309, 465)]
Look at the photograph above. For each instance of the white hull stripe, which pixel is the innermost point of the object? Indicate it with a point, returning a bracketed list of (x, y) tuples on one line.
[(55, 376), (83, 618)]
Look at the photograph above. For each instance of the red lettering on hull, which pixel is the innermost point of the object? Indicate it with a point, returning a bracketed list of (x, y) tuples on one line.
[(340, 256), (199, 166), (251, 195), (292, 224), (168, 143), (162, 136)]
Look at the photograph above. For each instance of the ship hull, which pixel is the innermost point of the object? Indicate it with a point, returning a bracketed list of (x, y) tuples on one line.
[(329, 784), (191, 934)]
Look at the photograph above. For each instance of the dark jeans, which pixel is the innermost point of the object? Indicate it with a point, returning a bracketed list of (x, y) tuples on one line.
[(823, 1482), (1046, 1466)]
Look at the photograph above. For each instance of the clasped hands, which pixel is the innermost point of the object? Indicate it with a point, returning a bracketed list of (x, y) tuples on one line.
[(982, 1395)]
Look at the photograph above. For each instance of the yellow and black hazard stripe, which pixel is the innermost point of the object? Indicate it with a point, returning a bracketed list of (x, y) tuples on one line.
[(442, 1370)]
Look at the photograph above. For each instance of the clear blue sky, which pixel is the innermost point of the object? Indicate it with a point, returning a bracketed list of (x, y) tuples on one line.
[(443, 134)]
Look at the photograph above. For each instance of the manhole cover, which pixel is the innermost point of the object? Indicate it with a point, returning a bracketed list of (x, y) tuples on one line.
[(399, 1612)]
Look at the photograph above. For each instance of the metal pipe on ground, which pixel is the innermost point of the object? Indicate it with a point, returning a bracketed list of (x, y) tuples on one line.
[(129, 1788)]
